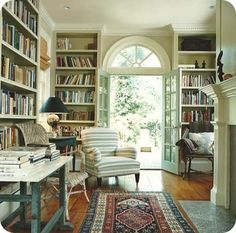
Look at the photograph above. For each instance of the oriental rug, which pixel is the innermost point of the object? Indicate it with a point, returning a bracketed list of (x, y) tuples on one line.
[(134, 212)]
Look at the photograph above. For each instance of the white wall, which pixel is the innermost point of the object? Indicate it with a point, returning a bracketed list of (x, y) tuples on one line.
[(45, 79), (226, 34)]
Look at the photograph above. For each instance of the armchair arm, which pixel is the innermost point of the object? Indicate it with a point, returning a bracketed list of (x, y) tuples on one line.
[(129, 152), (188, 145), (92, 154)]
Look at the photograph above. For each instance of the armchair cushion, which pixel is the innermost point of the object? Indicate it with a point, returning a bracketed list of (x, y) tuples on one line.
[(128, 152), (115, 166)]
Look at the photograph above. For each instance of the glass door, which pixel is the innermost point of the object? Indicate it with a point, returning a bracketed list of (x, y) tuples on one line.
[(170, 157), (104, 99)]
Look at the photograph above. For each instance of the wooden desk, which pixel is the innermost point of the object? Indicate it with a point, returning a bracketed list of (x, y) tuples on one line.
[(37, 173), (63, 141)]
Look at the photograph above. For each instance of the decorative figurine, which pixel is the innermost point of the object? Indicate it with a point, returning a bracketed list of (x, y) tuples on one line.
[(220, 66), (203, 64)]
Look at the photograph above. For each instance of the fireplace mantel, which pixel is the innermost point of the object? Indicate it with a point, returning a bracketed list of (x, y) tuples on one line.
[(225, 89), (224, 95)]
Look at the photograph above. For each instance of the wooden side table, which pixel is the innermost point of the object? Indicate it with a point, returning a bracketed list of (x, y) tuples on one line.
[(65, 141)]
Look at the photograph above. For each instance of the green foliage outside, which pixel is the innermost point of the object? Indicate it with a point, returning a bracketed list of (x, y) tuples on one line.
[(136, 105)]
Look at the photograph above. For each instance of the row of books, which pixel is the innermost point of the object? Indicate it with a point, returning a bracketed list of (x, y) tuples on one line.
[(77, 79), (13, 159), (206, 115), (18, 40), (16, 104), (76, 131), (197, 80), (9, 136), (76, 96), (21, 10), (74, 61), (79, 115), (21, 74), (64, 43), (196, 97)]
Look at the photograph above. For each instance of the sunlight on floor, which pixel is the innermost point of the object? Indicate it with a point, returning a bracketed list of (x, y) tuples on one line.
[(150, 160)]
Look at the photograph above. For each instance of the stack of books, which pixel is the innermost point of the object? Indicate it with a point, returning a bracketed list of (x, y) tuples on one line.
[(36, 154), (11, 162), (51, 153)]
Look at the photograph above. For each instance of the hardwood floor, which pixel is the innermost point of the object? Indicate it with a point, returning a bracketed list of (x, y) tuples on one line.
[(197, 188)]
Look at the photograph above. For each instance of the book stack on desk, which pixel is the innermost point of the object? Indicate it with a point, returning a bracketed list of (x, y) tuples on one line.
[(36, 154), (11, 163), (51, 152)]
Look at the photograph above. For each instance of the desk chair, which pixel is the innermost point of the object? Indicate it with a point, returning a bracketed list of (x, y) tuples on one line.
[(36, 134), (198, 143)]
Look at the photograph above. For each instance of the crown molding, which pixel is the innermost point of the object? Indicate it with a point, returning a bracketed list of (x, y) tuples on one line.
[(45, 17), (194, 28), (121, 31)]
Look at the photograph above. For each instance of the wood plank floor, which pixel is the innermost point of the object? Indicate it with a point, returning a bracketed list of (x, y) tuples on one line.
[(196, 188)]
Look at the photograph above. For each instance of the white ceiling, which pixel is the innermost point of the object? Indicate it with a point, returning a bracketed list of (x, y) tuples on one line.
[(131, 14)]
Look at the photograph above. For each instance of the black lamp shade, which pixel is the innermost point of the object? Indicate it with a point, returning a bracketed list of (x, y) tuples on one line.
[(54, 105)]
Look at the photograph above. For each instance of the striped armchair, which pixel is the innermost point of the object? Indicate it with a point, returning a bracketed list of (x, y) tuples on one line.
[(103, 158)]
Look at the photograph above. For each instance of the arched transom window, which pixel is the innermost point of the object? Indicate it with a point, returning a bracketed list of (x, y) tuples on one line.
[(136, 56)]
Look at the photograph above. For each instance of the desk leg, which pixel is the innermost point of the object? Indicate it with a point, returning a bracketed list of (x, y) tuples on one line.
[(36, 208), (23, 191), (62, 201), (62, 196)]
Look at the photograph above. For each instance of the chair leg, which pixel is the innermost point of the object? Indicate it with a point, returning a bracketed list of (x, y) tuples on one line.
[(185, 168), (99, 181), (137, 177), (85, 191), (189, 166)]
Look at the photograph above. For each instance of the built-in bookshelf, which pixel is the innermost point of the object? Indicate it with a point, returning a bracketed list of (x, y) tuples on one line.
[(196, 63), (19, 67), (77, 62)]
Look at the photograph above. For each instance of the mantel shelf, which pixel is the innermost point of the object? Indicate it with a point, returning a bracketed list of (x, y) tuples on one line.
[(225, 89)]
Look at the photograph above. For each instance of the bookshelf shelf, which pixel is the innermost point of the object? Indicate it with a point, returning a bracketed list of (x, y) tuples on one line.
[(74, 86), (76, 122), (78, 104), (18, 117), (197, 105), (82, 51), (19, 55), (76, 68), (12, 85)]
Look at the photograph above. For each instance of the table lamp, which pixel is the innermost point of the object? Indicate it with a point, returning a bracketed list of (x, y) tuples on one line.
[(54, 106)]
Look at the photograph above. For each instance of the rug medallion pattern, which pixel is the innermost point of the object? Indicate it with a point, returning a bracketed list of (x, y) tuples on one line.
[(134, 212)]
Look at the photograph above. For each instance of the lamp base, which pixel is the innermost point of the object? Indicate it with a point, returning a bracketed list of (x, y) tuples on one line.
[(53, 121)]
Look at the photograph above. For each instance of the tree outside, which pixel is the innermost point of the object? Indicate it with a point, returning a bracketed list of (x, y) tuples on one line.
[(136, 109)]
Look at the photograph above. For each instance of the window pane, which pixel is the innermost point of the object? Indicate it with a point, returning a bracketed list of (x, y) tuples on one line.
[(129, 53), (142, 53), (136, 56), (120, 61), (151, 61)]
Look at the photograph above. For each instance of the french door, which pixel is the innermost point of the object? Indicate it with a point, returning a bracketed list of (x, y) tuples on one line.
[(170, 156), (104, 99)]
